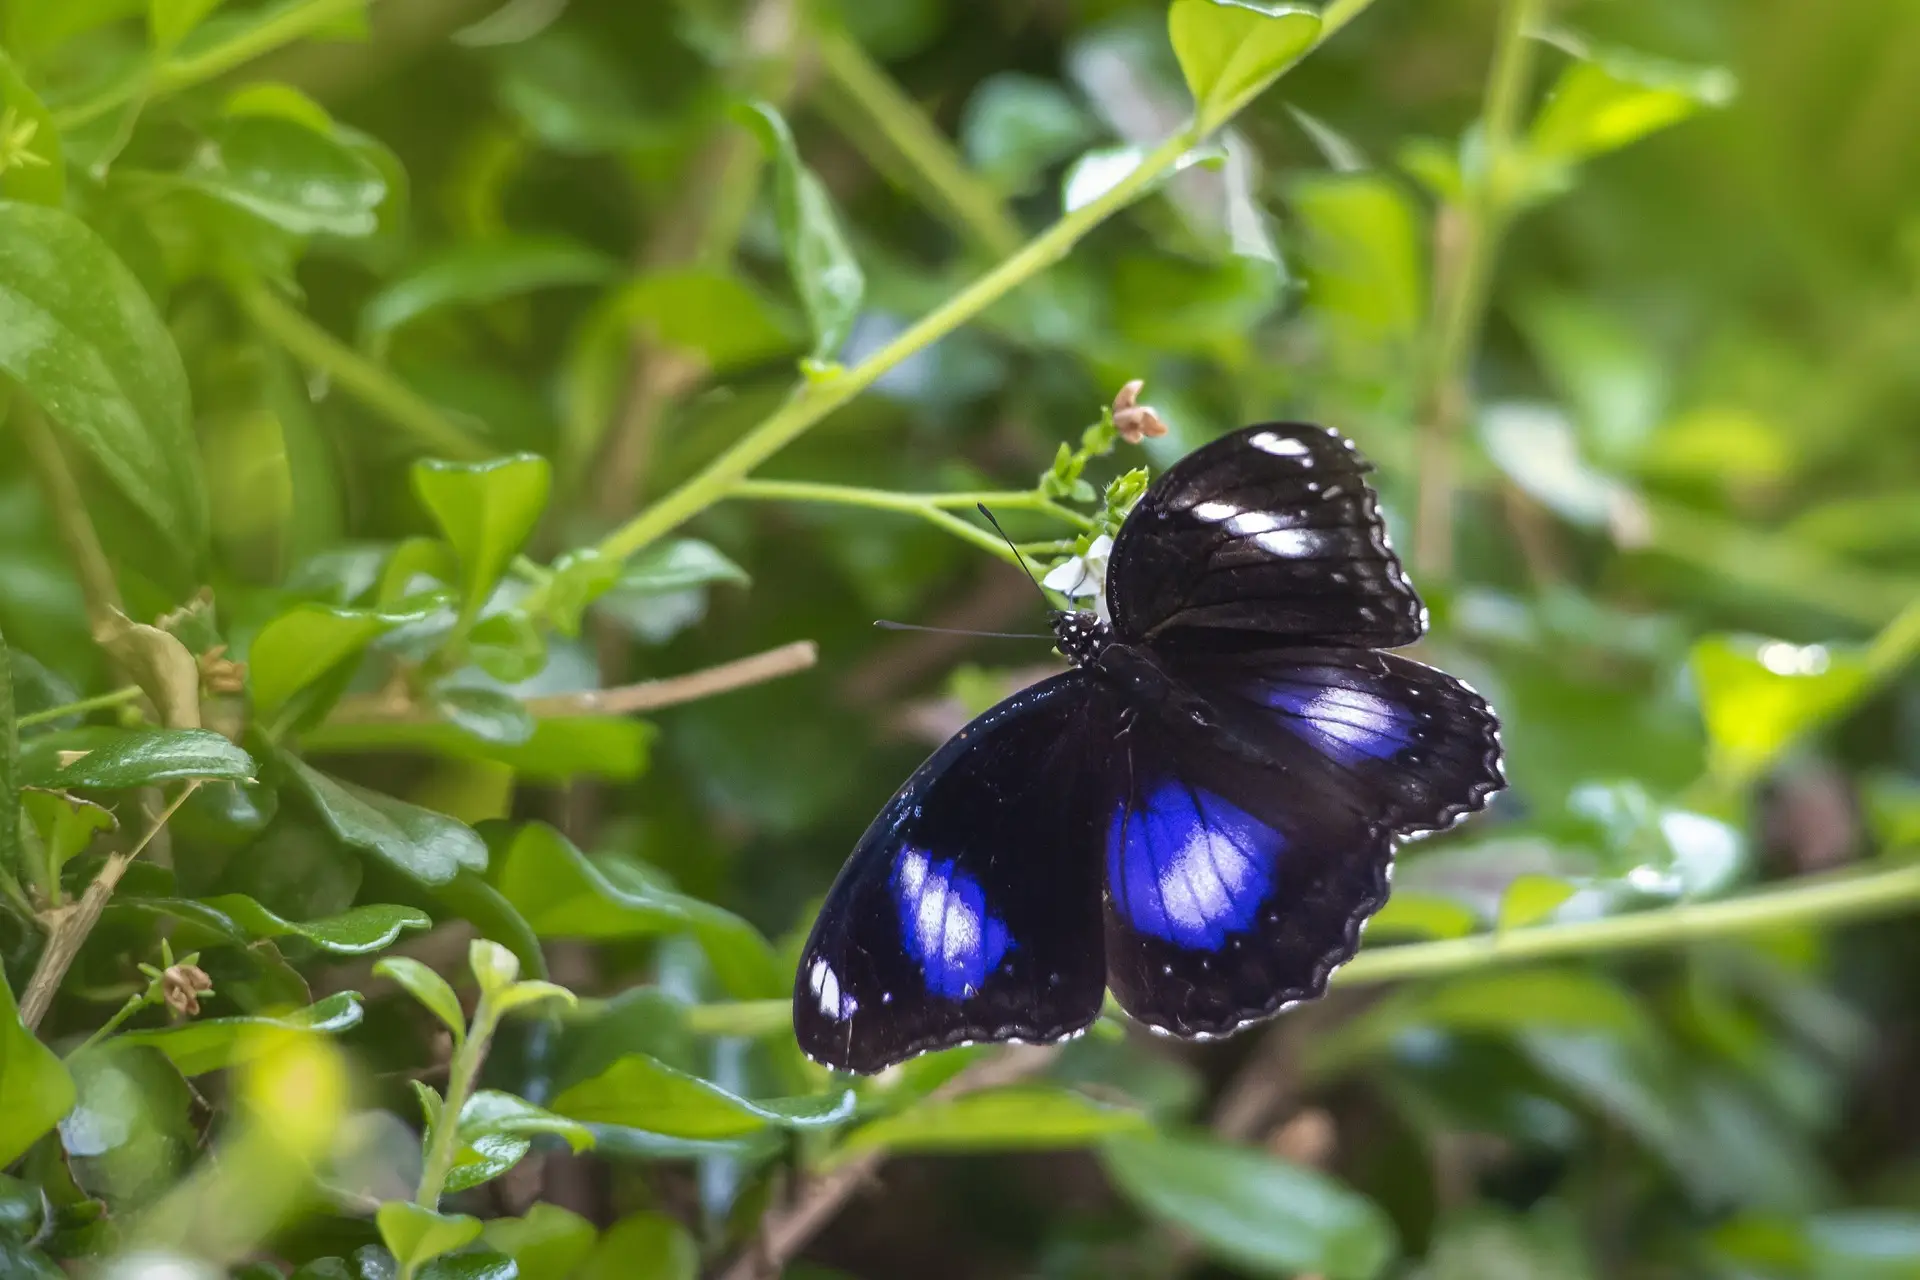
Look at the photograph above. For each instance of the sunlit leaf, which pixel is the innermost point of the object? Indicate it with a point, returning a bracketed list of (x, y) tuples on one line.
[(641, 1092), (297, 648), (35, 1088), (135, 758), (416, 1235), (1757, 696), (212, 1043), (487, 510), (1230, 50), (429, 988), (1616, 97), (287, 175)]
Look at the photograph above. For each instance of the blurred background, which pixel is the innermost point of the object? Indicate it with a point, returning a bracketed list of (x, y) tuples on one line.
[(1644, 394)]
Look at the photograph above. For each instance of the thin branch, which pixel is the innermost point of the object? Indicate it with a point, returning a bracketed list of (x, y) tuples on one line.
[(785, 1232), (648, 695), (99, 702), (98, 585)]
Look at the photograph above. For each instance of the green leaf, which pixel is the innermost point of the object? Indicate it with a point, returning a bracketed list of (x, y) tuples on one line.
[(171, 21), (35, 138), (64, 824), (10, 817), (640, 1092), (297, 648), (417, 1235), (136, 758), (1757, 696), (1615, 97), (563, 895), (1366, 268), (561, 749), (236, 918), (1256, 1212), (1419, 916), (487, 510), (1016, 126), (35, 1089), (487, 714), (494, 967), (549, 1243), (1531, 899), (1023, 1117), (496, 1132), (507, 646), (1230, 50), (676, 565), (429, 988), (196, 1048), (714, 314), (646, 1246), (476, 273), (288, 175), (423, 845), (82, 340), (825, 273)]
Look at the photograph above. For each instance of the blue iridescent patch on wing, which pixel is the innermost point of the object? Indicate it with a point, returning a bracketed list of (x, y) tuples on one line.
[(1190, 867), (1347, 725), (945, 924)]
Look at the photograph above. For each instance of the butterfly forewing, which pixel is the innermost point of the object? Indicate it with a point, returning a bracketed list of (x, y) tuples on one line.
[(970, 910), (1269, 535)]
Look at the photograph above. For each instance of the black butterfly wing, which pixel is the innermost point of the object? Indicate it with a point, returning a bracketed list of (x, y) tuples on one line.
[(1244, 854), (970, 910), (1268, 535)]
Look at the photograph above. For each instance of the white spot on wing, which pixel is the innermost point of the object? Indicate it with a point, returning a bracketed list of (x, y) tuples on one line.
[(1292, 544), (1200, 886), (1278, 445), (825, 985)]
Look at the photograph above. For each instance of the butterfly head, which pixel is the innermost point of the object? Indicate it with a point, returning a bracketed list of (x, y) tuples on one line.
[(1082, 636)]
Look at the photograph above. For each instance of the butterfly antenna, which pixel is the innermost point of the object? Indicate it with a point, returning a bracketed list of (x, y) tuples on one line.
[(1022, 560), (887, 624)]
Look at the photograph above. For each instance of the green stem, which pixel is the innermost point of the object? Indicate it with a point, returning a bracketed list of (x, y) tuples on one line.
[(1465, 283), (875, 499), (1824, 900), (368, 382), (291, 23), (135, 1003), (99, 586), (462, 1072), (99, 702), (959, 196)]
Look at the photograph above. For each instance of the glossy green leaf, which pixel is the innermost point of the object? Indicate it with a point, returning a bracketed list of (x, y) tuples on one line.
[(1230, 50), (209, 1044), (477, 273), (564, 895), (136, 758), (1757, 696), (496, 1132), (236, 918), (298, 647), (1616, 97), (1021, 1117), (646, 1246), (423, 845), (549, 1243), (38, 174), (641, 1092), (676, 565), (825, 273), (560, 750), (35, 1088), (1258, 1213), (296, 179), (487, 510), (82, 340), (487, 714), (417, 1235), (429, 988)]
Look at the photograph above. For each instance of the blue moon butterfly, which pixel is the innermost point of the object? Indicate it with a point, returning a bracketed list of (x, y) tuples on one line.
[(1200, 815)]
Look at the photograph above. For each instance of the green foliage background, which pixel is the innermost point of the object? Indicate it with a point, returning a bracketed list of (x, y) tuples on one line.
[(452, 460)]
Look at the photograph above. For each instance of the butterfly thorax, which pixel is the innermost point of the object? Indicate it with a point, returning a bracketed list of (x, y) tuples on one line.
[(1082, 637)]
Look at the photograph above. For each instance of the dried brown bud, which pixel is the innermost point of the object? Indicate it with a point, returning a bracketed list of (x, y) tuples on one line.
[(1135, 421), (1309, 1138), (182, 985), (221, 674)]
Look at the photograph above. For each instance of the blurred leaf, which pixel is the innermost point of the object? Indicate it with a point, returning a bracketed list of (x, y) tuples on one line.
[(429, 988), (1016, 126), (476, 273), (297, 648), (716, 315), (1421, 916), (196, 1048), (84, 344), (1537, 448), (561, 749), (35, 1089), (487, 714), (1365, 265), (549, 1243), (644, 1246), (563, 895), (1614, 97), (1757, 696), (1531, 900), (135, 758), (1660, 849), (129, 1135), (1486, 1244), (64, 824), (10, 816), (423, 845), (233, 917), (487, 510), (288, 175), (43, 183), (170, 21), (676, 565), (1258, 1213), (641, 1092), (417, 1235), (825, 273), (1608, 370), (573, 95), (1022, 1117), (1230, 50)]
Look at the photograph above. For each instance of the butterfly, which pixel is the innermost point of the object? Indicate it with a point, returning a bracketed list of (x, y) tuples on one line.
[(1199, 815)]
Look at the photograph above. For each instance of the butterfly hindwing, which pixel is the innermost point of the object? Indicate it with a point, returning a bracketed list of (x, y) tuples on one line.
[(970, 910), (1242, 859), (1270, 534)]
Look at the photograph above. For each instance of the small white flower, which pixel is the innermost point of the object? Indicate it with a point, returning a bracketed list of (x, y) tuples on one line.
[(1084, 575)]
